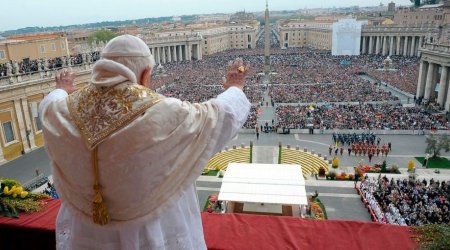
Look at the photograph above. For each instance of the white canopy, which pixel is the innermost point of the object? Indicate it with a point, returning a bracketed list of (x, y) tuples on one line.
[(264, 183)]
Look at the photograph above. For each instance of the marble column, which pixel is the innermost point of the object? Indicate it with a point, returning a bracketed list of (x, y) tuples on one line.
[(385, 45), (405, 47), (420, 45), (28, 122), (188, 52), (169, 54), (158, 52), (163, 55), (22, 126), (413, 46), (443, 85), (199, 52), (422, 79), (429, 82), (447, 101), (179, 50), (364, 45), (175, 54), (397, 51), (391, 46), (370, 45), (378, 44)]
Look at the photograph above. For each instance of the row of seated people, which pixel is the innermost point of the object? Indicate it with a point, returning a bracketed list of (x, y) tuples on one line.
[(408, 202)]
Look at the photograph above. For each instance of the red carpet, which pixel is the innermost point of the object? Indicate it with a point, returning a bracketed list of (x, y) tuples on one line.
[(233, 231), (241, 231)]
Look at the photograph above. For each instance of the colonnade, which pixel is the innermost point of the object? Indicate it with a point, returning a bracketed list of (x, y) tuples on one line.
[(430, 74), (176, 53), (392, 45)]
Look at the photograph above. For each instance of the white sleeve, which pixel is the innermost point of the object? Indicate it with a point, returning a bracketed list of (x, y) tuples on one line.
[(54, 95), (236, 107)]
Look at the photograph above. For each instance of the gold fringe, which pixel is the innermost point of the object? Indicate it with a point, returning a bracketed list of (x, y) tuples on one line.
[(99, 210)]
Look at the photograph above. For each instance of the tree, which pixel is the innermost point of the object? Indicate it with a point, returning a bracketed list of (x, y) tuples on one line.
[(435, 145), (101, 35), (383, 167)]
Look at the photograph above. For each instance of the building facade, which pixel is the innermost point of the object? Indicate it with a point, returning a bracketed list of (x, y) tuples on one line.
[(31, 47), (296, 33), (20, 126)]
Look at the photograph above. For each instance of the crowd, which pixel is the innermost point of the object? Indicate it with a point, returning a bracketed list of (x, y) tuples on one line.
[(363, 116), (30, 66), (354, 90), (406, 76), (408, 202)]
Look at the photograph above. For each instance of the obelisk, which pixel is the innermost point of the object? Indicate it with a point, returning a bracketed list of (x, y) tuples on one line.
[(267, 44)]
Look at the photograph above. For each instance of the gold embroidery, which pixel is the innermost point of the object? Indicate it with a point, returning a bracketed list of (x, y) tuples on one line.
[(99, 112)]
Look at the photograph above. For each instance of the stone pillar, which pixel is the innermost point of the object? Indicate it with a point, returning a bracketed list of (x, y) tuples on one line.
[(370, 45), (413, 46), (199, 53), (397, 51), (155, 55), (391, 46), (28, 122), (169, 54), (385, 45), (422, 79), (188, 52), (159, 55), (429, 82), (2, 158), (378, 44), (175, 54), (447, 101), (443, 85), (180, 49), (364, 45), (405, 47), (21, 124), (166, 58), (419, 45)]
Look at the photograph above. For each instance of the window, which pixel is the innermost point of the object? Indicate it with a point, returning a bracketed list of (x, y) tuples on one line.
[(37, 122), (2, 54), (8, 132), (42, 49), (63, 45), (53, 45)]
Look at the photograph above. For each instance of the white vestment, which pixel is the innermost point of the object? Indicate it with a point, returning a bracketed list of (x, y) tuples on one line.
[(147, 171)]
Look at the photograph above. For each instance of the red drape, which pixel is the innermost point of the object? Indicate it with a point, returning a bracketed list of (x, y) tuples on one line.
[(241, 231)]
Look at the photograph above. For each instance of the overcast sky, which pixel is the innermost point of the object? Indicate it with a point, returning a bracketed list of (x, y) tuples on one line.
[(24, 13)]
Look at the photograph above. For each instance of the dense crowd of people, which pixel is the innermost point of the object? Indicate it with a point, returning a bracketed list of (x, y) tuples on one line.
[(352, 91), (364, 116), (408, 202), (30, 66)]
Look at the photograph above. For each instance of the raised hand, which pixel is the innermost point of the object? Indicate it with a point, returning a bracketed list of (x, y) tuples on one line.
[(236, 73), (64, 80)]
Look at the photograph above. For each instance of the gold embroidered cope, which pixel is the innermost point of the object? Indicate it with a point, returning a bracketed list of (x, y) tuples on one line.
[(99, 112)]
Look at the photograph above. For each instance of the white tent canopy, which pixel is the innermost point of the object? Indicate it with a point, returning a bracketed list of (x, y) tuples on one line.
[(264, 183)]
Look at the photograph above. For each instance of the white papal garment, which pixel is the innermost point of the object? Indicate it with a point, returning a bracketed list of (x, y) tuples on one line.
[(147, 172)]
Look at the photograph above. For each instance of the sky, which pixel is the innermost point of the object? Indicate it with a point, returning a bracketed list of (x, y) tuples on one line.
[(25, 13)]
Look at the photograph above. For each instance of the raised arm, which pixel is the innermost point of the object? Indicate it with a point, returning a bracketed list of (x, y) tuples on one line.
[(64, 86)]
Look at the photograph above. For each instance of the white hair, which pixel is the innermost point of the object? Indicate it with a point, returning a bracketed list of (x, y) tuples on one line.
[(137, 64)]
